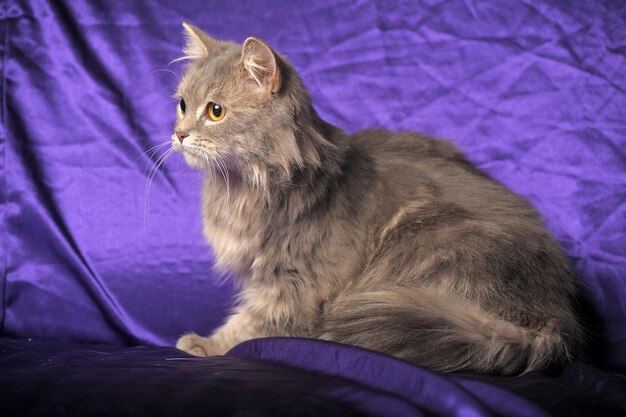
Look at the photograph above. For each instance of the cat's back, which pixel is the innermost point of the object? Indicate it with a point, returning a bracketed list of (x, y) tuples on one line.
[(411, 165), (448, 212), (403, 145)]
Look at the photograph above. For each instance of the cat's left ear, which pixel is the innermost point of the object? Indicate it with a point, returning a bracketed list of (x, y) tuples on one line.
[(197, 43), (261, 63)]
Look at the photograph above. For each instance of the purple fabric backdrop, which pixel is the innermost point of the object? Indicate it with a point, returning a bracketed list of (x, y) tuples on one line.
[(533, 92)]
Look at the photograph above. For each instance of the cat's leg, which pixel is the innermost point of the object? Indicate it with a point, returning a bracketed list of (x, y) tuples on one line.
[(266, 310), (442, 331), (241, 326), (447, 292)]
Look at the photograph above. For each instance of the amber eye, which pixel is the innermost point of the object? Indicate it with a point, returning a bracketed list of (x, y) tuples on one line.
[(216, 112), (183, 106)]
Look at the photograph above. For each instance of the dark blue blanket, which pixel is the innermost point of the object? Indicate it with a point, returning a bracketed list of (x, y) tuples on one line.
[(280, 377), (99, 245)]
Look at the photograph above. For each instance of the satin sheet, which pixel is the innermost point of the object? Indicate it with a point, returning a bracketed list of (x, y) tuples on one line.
[(96, 249)]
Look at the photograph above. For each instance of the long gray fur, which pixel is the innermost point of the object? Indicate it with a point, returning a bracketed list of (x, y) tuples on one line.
[(389, 241)]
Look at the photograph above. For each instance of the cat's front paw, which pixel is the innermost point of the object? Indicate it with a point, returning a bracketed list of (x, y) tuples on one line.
[(195, 345)]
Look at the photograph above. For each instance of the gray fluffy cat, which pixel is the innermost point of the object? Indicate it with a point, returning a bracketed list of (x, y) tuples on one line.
[(389, 241)]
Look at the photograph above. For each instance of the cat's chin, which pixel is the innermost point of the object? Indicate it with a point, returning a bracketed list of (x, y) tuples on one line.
[(226, 170), (195, 162)]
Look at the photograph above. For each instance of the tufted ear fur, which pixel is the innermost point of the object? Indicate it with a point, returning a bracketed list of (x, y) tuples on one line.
[(261, 63), (197, 43)]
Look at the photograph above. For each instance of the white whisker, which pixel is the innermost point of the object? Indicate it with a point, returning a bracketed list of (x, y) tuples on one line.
[(183, 58), (159, 162), (224, 171), (165, 70), (152, 150)]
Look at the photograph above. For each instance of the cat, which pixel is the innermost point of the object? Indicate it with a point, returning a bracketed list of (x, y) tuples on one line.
[(389, 241)]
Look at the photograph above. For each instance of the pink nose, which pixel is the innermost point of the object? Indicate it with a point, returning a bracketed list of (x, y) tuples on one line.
[(181, 136)]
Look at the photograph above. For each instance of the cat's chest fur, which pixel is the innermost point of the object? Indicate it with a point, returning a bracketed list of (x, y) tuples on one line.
[(271, 245), (234, 227)]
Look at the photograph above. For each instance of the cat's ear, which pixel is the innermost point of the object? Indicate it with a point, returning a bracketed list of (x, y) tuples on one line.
[(197, 43), (261, 63)]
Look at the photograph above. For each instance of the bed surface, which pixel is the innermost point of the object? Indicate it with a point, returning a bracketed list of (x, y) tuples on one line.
[(97, 246)]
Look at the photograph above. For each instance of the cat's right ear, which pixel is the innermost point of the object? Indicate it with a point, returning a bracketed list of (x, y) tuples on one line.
[(197, 43), (261, 63)]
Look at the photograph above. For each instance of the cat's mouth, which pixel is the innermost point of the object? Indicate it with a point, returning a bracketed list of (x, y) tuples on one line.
[(193, 157), (207, 160)]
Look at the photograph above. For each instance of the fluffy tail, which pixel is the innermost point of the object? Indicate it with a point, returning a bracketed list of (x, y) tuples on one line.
[(445, 333)]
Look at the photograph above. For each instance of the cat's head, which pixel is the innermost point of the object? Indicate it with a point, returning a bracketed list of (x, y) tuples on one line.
[(243, 109)]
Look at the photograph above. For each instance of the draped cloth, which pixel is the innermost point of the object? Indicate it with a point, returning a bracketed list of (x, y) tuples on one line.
[(100, 238)]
